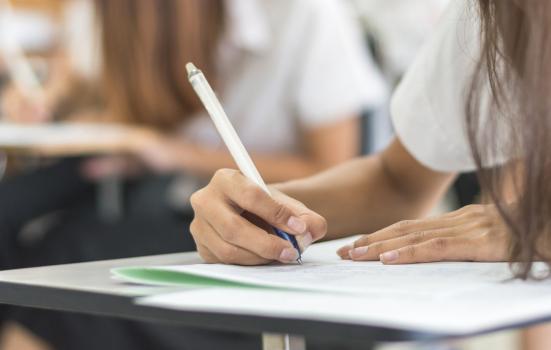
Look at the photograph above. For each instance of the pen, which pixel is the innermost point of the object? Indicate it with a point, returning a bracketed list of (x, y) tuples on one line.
[(232, 141)]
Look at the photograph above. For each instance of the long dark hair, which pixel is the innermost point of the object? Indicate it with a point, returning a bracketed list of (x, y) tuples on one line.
[(516, 60), (145, 46)]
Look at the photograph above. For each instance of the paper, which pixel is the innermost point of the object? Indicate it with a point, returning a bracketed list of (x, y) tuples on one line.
[(25, 134), (460, 314), (323, 272), (439, 298), (65, 137)]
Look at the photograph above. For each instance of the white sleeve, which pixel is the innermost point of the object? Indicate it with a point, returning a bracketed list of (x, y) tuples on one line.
[(428, 107), (337, 77)]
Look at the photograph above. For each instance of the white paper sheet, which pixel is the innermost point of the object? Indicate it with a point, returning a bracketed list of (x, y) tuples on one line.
[(32, 135), (450, 298), (323, 271), (474, 312)]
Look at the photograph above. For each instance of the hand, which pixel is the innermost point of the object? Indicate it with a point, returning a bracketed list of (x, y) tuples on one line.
[(472, 233), (164, 154), (20, 109), (232, 218), (110, 166)]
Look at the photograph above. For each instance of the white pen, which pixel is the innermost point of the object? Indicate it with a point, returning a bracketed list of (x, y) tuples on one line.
[(232, 141)]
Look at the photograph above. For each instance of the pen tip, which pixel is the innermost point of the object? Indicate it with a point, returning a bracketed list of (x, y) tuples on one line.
[(190, 68)]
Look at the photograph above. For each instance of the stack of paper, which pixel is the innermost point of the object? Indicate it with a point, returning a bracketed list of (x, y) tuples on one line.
[(447, 298)]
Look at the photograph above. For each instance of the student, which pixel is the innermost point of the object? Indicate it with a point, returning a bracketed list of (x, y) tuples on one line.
[(306, 124), (476, 97), (294, 77)]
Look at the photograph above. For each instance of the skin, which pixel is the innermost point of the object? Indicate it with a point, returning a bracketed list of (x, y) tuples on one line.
[(377, 195), (322, 147)]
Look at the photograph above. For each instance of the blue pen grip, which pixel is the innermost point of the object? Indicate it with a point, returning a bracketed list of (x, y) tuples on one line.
[(288, 237)]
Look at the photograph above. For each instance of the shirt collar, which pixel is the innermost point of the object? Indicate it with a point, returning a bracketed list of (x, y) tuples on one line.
[(247, 26)]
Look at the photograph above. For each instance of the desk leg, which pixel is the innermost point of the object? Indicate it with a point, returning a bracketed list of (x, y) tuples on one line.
[(271, 341), (110, 201)]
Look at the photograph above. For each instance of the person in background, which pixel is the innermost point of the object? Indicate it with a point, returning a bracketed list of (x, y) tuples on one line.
[(294, 76)]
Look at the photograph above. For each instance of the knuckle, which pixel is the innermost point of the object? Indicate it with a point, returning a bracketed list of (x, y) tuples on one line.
[(377, 248), (403, 225), (196, 199), (229, 254), (410, 252), (439, 244), (417, 237), (467, 208), (194, 227), (208, 258), (223, 174), (280, 213), (252, 194), (363, 241), (474, 210)]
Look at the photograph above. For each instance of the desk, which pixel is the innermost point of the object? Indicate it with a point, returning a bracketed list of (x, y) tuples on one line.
[(87, 288)]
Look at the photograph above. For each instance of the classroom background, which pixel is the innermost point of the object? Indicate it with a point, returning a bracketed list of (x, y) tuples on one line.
[(49, 71)]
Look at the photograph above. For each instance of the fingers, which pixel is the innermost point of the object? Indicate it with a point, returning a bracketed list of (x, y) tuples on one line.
[(344, 252), (374, 250), (237, 231), (287, 216), (234, 219), (461, 235), (206, 254), (396, 230), (436, 249), (406, 227), (215, 250)]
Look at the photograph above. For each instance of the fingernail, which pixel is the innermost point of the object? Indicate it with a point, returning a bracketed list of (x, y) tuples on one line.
[(345, 250), (296, 224), (288, 255), (358, 252), (389, 256), (305, 240)]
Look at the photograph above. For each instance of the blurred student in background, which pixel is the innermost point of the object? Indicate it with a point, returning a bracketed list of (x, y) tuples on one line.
[(293, 76)]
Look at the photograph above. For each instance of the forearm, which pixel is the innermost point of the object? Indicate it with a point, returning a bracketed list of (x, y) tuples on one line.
[(364, 195), (274, 168)]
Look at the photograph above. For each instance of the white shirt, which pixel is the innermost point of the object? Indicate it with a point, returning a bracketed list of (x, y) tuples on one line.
[(288, 66), (428, 107)]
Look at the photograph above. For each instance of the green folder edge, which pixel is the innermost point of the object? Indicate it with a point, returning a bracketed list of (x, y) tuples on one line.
[(162, 277)]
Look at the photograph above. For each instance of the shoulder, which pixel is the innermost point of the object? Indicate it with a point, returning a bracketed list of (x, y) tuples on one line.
[(305, 12), (428, 106)]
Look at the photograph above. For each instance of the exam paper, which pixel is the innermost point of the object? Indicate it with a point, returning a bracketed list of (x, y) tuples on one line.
[(429, 281), (437, 298), (323, 271), (480, 310)]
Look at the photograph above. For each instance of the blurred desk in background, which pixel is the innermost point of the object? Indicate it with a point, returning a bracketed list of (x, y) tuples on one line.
[(71, 139)]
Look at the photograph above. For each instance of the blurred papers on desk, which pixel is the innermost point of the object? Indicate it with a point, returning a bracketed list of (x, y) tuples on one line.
[(70, 139)]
